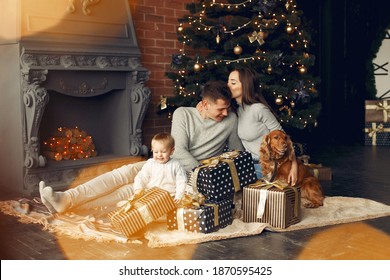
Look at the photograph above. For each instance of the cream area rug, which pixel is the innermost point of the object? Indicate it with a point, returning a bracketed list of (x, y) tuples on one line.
[(94, 224)]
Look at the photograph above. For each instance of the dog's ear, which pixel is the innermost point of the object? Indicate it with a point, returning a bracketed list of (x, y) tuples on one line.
[(290, 148), (264, 147)]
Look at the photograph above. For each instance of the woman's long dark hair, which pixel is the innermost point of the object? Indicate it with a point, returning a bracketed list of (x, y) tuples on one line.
[(251, 91)]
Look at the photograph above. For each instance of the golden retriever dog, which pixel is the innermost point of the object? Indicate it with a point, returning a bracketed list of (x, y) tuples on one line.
[(276, 154)]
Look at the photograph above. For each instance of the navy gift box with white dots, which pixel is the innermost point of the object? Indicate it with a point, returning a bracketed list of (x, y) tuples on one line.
[(201, 219), (375, 135), (216, 183)]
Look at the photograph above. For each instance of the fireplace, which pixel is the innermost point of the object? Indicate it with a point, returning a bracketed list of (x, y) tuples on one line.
[(82, 71)]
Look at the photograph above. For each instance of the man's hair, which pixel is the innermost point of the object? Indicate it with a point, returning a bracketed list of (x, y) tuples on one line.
[(165, 138), (214, 90)]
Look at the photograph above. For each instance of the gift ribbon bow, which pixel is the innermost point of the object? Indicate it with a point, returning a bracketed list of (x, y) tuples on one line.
[(214, 161), (374, 130), (133, 203), (266, 185), (314, 168), (381, 106), (193, 202), (256, 36)]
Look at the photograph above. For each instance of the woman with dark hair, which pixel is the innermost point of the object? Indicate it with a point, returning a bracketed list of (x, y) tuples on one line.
[(255, 117)]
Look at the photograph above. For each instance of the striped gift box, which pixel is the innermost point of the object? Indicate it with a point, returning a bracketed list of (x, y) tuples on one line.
[(281, 208), (135, 215)]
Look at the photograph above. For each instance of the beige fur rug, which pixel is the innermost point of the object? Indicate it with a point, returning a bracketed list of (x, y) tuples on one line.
[(96, 226)]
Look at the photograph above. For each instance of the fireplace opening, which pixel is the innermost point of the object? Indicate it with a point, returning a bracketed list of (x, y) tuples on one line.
[(101, 103), (104, 117)]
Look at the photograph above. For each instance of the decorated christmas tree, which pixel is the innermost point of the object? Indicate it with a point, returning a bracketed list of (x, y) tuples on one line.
[(269, 36)]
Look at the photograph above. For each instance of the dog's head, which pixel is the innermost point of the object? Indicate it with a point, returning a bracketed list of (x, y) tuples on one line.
[(276, 145)]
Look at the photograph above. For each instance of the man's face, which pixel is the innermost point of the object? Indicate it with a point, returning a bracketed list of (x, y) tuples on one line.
[(216, 110)]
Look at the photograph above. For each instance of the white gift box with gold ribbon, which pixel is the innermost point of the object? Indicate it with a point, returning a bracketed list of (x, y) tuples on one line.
[(273, 203), (138, 212)]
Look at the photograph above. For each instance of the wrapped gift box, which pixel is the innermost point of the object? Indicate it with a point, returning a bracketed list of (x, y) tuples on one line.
[(265, 203), (219, 177), (322, 173), (377, 111), (377, 134), (136, 214), (206, 218)]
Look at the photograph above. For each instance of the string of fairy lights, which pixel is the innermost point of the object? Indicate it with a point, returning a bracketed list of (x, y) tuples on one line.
[(259, 36), (262, 24)]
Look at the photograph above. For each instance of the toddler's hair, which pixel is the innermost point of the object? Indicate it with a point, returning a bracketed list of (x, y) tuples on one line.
[(165, 138)]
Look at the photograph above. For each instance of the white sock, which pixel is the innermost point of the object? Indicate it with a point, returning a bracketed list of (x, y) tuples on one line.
[(54, 201), (51, 209)]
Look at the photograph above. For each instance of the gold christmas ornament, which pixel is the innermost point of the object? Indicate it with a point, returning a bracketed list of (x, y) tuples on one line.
[(237, 49), (269, 69), (292, 104), (279, 101), (163, 102), (302, 69), (180, 28), (218, 39), (197, 66), (289, 29), (263, 34)]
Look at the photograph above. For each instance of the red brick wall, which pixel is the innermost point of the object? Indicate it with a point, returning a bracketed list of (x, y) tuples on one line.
[(155, 23)]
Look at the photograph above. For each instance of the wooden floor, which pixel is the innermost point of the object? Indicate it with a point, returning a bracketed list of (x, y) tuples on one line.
[(358, 171)]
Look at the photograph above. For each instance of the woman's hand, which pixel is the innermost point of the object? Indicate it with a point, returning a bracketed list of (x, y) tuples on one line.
[(293, 175)]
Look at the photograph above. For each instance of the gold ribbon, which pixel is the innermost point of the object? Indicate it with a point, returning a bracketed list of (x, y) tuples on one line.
[(374, 130), (266, 185), (313, 165), (380, 106), (191, 202), (130, 204), (215, 207), (263, 182), (133, 203), (214, 161), (256, 36)]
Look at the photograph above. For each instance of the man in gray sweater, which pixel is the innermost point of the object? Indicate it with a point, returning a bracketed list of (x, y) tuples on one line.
[(205, 131)]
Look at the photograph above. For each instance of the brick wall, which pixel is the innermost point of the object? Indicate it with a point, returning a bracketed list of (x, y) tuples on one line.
[(155, 23)]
